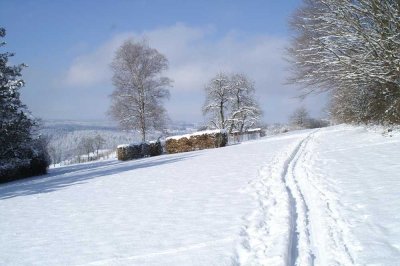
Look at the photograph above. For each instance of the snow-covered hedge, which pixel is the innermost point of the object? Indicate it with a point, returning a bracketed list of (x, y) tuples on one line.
[(32, 160), (17, 169), (139, 150), (197, 141)]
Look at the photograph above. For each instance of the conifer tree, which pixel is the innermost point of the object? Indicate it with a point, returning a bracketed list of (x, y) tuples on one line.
[(21, 153)]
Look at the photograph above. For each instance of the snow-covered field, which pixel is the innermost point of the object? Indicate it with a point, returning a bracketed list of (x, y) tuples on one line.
[(312, 197)]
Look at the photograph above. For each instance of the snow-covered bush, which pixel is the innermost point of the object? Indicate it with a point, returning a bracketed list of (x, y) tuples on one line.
[(35, 162), (318, 123), (197, 141), (155, 148), (300, 119)]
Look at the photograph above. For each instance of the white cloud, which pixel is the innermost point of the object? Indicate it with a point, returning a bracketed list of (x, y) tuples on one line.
[(195, 55), (93, 68)]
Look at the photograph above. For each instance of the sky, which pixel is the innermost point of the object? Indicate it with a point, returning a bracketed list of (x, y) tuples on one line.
[(68, 46)]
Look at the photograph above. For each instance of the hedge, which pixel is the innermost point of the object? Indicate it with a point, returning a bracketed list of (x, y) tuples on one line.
[(19, 169)]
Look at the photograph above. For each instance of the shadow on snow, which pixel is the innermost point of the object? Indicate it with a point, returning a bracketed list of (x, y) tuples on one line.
[(62, 177)]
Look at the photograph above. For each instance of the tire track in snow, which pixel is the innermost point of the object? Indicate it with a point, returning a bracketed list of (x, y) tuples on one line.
[(299, 246), (279, 232), (331, 239), (269, 236), (306, 246)]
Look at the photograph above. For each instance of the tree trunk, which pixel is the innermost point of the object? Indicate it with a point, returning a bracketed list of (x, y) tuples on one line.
[(221, 113), (143, 135), (241, 128), (142, 115)]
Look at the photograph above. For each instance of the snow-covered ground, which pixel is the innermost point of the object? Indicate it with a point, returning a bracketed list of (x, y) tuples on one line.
[(312, 197)]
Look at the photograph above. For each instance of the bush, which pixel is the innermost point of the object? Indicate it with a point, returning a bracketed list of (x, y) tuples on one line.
[(21, 169), (155, 148), (35, 163), (317, 123)]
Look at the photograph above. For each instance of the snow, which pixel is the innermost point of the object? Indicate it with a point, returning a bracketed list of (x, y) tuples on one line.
[(331, 199), (254, 129), (136, 144), (198, 133), (127, 145), (314, 197), (357, 174)]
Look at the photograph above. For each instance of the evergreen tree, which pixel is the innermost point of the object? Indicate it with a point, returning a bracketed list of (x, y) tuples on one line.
[(21, 153)]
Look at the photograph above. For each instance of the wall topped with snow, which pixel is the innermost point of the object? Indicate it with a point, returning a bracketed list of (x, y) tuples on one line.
[(139, 150), (207, 139), (199, 133)]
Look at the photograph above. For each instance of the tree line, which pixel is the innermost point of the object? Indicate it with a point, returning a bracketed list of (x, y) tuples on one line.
[(87, 144)]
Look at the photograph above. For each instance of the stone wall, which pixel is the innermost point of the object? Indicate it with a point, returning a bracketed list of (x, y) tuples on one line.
[(139, 150), (197, 141)]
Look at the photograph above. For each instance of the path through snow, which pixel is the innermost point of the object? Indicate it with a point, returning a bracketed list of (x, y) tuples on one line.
[(278, 231)]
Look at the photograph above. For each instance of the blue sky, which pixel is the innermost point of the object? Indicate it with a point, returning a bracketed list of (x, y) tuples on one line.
[(68, 46)]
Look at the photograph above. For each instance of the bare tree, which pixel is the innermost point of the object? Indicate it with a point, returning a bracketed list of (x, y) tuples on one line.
[(245, 111), (98, 142), (230, 102), (137, 101), (300, 118), (87, 146), (55, 153), (351, 48), (217, 100)]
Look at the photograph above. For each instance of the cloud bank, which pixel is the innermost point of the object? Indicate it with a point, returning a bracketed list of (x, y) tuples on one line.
[(195, 55)]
